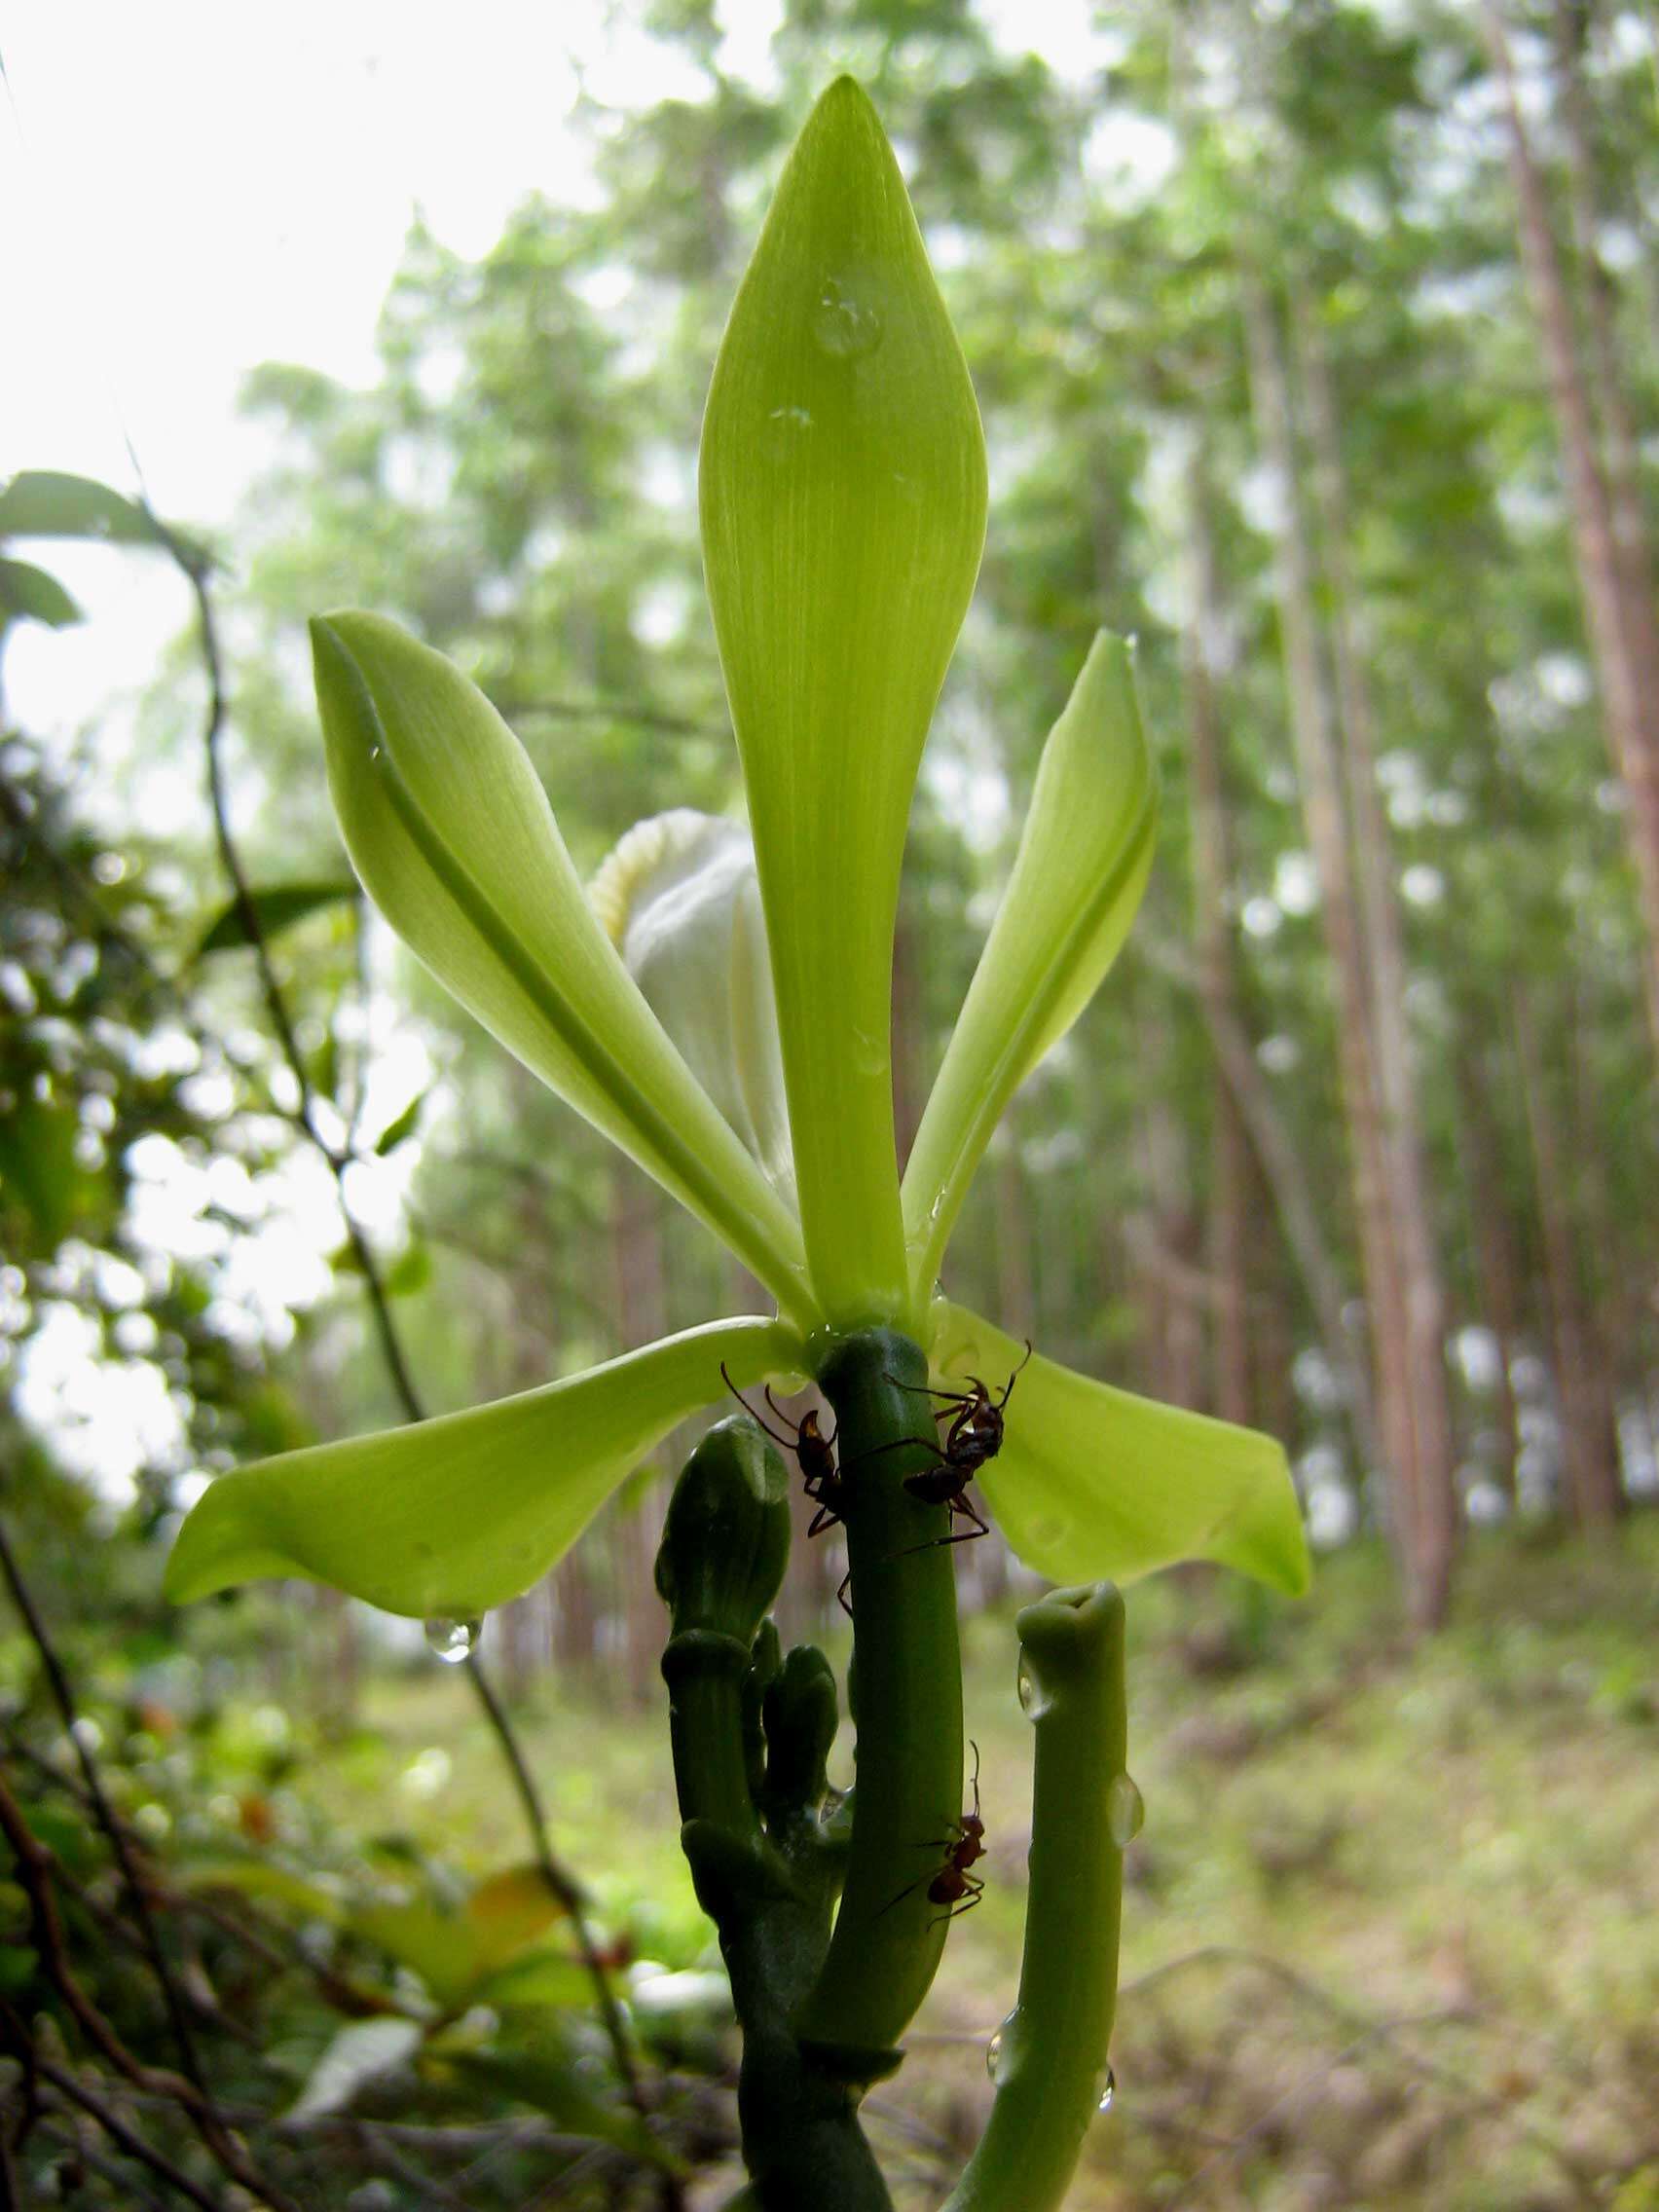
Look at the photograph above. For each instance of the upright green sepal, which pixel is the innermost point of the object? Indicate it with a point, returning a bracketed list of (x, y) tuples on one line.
[(450, 830), (843, 512), (1084, 858)]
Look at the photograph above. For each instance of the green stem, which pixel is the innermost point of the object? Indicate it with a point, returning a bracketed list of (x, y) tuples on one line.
[(768, 1889), (1052, 2066), (908, 1699)]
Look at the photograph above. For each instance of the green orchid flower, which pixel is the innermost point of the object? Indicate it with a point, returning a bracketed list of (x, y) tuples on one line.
[(738, 1047)]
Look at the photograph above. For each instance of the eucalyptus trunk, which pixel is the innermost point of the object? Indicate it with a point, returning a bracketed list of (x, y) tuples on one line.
[(1589, 1440), (1621, 622), (1218, 973), (1421, 1285), (1423, 1494)]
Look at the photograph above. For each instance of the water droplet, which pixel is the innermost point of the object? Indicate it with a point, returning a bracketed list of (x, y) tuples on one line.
[(1126, 1810), (842, 326), (453, 1641), (993, 2051), (1033, 1697), (1108, 2092)]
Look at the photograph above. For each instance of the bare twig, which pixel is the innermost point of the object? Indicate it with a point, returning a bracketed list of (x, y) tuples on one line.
[(63, 1697), (117, 2176), (36, 1868), (562, 1886), (136, 2146)]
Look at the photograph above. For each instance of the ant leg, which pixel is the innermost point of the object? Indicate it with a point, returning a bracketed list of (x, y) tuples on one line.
[(842, 1601), (789, 1443), (766, 1393), (903, 1893), (824, 1518), (935, 1543), (899, 1444), (977, 1892), (927, 1391)]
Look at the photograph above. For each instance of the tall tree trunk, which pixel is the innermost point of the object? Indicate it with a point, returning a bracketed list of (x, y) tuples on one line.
[(1422, 1499), (1589, 1441), (1163, 1247), (1620, 444), (1623, 640), (1497, 1264), (1280, 1164), (1218, 979), (1421, 1285)]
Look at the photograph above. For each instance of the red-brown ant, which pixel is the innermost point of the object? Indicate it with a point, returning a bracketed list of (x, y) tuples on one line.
[(952, 1886), (974, 1435), (815, 1454)]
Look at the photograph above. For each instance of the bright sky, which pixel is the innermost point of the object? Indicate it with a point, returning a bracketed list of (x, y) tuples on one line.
[(189, 188)]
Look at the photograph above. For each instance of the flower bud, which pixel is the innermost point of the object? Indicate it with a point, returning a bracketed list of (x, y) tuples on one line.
[(727, 1538)]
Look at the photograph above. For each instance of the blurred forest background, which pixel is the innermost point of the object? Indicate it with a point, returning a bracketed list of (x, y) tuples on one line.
[(1317, 346)]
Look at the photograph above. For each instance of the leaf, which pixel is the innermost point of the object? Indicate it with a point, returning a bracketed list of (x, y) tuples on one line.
[(410, 1271), (1077, 877), (395, 1131), (44, 503), (509, 1910), (30, 593), (259, 1879), (277, 907), (449, 1516), (538, 1979), (550, 2086), (842, 487), (357, 2054), (441, 1947), (1094, 1483), (453, 838)]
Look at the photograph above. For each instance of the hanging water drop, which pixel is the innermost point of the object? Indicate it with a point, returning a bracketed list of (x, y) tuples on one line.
[(1108, 2090), (1033, 1697), (453, 1641), (842, 326), (993, 2052), (1126, 1810)]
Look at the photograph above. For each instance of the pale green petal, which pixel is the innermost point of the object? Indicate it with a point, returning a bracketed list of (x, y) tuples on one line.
[(843, 510), (679, 899), (1093, 1483), (451, 831), (446, 1518), (1083, 863)]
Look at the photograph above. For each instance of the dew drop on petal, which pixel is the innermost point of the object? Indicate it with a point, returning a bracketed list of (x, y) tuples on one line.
[(842, 326), (453, 1641), (1126, 1810)]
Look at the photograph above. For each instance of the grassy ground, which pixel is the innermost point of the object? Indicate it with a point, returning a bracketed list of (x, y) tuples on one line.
[(1392, 1931)]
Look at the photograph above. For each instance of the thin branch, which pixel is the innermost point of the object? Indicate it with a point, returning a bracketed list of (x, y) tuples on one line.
[(36, 1868), (114, 2175), (63, 1697), (562, 1886), (131, 2141)]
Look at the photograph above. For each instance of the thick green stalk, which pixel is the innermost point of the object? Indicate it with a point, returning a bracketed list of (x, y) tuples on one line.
[(907, 1692), (1052, 2059), (750, 1734)]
